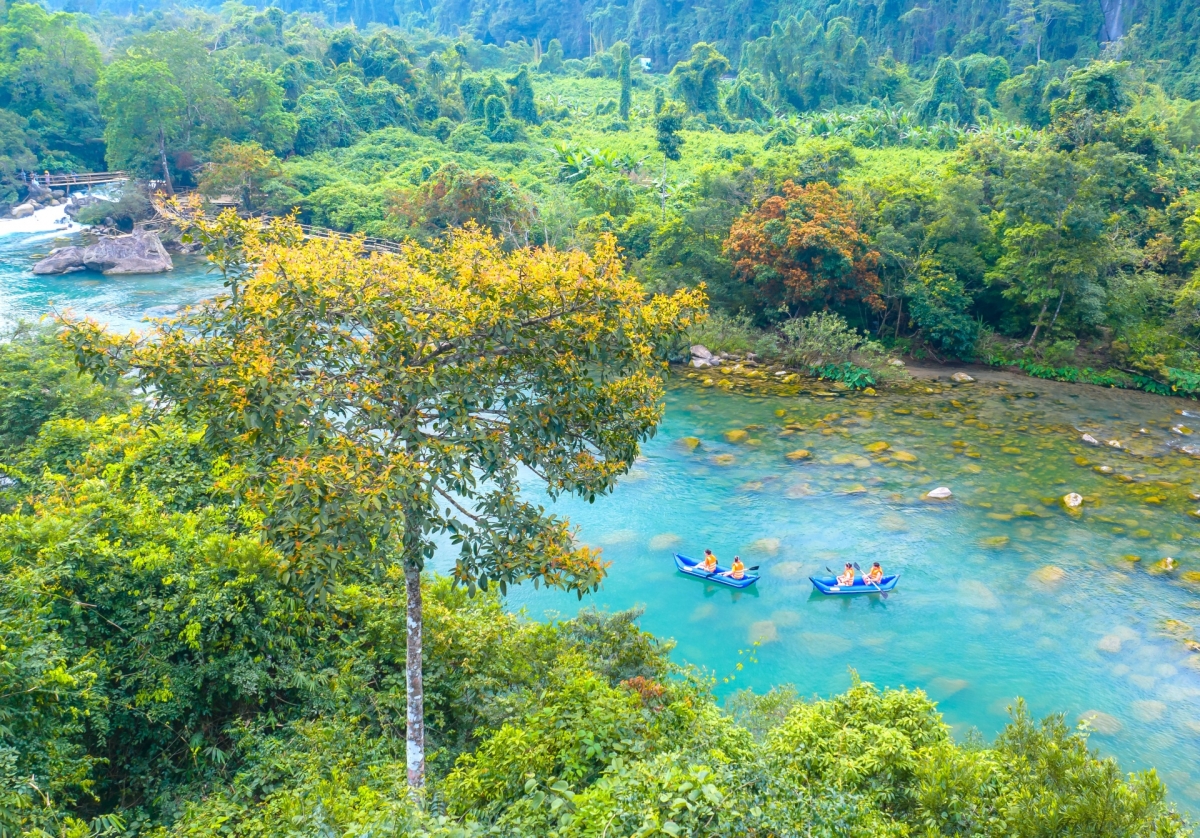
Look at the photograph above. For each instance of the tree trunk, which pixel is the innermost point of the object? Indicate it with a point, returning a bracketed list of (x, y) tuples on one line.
[(663, 189), (415, 682), (162, 153), (1038, 324), (1057, 309)]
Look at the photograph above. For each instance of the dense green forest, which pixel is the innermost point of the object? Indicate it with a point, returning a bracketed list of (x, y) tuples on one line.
[(209, 599), (978, 207)]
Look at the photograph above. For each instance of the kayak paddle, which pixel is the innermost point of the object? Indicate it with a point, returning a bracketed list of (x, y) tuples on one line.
[(864, 575)]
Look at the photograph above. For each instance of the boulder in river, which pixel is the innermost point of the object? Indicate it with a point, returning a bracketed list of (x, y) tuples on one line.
[(940, 493), (138, 253), (961, 378), (1072, 500)]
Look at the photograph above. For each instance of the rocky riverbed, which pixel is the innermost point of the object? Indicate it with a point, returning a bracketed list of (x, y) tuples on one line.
[(1063, 566)]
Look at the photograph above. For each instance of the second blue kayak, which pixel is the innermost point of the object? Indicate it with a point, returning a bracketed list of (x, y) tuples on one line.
[(829, 585)]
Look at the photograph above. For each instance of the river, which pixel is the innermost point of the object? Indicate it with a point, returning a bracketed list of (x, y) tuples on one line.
[(1003, 591), (121, 303)]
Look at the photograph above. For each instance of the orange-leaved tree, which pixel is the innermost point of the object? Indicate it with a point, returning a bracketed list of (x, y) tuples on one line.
[(803, 250), (367, 404)]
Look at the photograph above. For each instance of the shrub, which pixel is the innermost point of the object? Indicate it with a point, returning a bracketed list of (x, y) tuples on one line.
[(803, 250), (828, 347), (131, 206)]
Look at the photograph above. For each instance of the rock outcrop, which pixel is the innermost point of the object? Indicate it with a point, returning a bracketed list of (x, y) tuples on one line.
[(140, 253)]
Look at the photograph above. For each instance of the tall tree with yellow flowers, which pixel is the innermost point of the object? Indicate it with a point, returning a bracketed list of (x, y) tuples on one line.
[(367, 404)]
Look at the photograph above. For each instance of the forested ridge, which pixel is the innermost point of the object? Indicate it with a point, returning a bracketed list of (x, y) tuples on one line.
[(212, 602)]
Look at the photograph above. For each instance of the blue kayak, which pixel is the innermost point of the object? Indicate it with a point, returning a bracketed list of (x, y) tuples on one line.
[(829, 585), (688, 566)]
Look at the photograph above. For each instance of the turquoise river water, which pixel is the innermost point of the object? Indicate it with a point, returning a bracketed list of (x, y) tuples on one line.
[(1003, 592)]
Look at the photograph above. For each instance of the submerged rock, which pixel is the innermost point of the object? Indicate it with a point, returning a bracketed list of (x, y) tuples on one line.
[(764, 631), (1049, 575), (979, 595), (691, 443), (770, 546), (139, 253), (664, 540), (1110, 643), (946, 687), (799, 454), (877, 447), (1101, 723), (1148, 710), (736, 435), (788, 570), (904, 457)]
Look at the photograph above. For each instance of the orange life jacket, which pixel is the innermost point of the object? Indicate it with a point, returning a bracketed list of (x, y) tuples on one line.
[(710, 562), (738, 569), (876, 574), (846, 578)]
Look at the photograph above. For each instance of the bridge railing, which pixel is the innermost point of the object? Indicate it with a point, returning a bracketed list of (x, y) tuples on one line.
[(372, 243), (81, 179)]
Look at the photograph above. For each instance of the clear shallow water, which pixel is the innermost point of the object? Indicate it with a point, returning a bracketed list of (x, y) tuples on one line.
[(976, 619), (972, 622), (120, 302)]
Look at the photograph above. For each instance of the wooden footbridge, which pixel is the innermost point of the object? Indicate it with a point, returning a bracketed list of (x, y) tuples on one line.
[(83, 179), (368, 243)]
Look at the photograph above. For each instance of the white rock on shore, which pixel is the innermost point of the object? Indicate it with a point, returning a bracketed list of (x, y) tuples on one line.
[(139, 253)]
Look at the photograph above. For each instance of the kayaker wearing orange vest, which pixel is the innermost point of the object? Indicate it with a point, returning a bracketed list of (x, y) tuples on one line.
[(710, 562), (847, 578), (875, 574), (738, 570)]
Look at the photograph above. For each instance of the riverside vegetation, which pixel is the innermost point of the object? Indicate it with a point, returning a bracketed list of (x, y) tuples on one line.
[(212, 611)]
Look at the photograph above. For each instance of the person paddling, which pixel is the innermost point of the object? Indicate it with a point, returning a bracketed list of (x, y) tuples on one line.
[(738, 570), (847, 577), (709, 564), (874, 575)]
